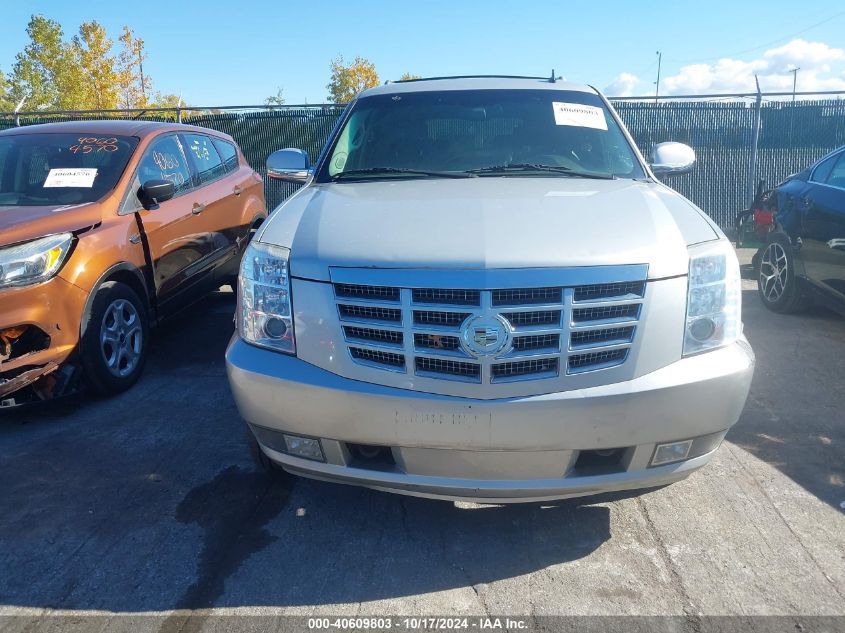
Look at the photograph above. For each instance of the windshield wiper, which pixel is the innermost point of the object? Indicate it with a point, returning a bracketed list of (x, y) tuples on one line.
[(375, 171), (557, 169)]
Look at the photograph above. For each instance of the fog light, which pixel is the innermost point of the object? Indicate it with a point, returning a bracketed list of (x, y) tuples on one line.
[(668, 453), (306, 447), (702, 329), (275, 328)]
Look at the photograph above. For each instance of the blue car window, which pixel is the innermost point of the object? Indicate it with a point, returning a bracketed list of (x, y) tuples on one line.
[(836, 178), (822, 171)]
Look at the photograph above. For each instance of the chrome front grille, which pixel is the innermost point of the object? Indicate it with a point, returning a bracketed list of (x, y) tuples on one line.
[(516, 369), (437, 342), (626, 290), (442, 368), (536, 341), (606, 313), (526, 296), (369, 313), (547, 332), (391, 337), (375, 293), (533, 319), (377, 357), (591, 338), (596, 360), (446, 296), (450, 320)]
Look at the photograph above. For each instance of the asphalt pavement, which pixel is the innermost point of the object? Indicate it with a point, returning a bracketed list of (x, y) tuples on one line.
[(148, 504)]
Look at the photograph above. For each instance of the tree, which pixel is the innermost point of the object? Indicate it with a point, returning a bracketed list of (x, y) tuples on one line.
[(39, 72), (97, 86), (86, 73), (5, 103), (348, 80), (408, 77), (167, 101), (133, 84), (276, 99)]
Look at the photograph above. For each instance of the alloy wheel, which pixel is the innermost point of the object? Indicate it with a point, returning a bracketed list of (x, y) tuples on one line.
[(773, 272), (121, 338)]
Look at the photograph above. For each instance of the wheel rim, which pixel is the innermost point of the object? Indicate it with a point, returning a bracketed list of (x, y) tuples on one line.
[(121, 338), (773, 272)]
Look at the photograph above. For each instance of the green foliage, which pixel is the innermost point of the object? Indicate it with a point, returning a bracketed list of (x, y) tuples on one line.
[(348, 80), (276, 99), (408, 77), (40, 72), (89, 72), (5, 101), (95, 85), (166, 101), (133, 85)]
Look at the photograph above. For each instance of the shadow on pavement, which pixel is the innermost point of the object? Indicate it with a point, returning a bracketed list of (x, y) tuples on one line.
[(793, 419), (149, 501)]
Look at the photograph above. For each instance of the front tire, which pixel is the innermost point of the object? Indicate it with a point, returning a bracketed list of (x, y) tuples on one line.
[(777, 284), (114, 339)]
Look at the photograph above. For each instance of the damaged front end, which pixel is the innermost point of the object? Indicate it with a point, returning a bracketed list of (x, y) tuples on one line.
[(28, 383)]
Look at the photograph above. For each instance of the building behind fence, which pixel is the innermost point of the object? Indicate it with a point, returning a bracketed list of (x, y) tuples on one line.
[(792, 134)]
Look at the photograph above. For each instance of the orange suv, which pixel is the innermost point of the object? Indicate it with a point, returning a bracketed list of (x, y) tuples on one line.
[(106, 227)]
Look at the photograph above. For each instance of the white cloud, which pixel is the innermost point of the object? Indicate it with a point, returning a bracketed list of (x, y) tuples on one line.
[(623, 85), (821, 68), (802, 53)]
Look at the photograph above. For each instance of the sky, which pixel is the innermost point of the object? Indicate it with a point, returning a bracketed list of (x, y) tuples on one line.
[(220, 52)]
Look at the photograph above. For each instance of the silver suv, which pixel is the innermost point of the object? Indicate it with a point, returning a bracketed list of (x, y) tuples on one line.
[(483, 293)]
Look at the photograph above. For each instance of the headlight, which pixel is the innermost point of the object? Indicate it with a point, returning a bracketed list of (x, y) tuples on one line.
[(33, 262), (264, 310), (714, 297)]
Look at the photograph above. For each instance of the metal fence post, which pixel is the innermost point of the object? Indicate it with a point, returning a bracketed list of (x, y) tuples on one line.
[(755, 140), (17, 110), (178, 115)]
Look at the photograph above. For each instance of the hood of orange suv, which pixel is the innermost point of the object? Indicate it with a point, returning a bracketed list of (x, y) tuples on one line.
[(24, 223)]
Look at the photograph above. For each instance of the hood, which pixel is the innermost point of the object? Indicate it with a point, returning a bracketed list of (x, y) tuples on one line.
[(487, 223), (21, 224)]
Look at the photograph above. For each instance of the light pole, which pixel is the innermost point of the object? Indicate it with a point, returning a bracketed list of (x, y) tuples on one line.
[(657, 83)]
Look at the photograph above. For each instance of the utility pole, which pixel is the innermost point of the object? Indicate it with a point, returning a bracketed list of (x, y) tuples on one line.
[(794, 72), (141, 68), (755, 139), (657, 83)]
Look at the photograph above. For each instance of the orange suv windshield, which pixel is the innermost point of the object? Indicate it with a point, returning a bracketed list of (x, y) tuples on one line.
[(60, 169)]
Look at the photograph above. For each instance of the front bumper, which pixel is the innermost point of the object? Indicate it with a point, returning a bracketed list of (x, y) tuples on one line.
[(55, 307), (513, 449)]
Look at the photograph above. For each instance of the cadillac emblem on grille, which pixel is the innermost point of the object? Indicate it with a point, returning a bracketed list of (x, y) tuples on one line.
[(485, 335)]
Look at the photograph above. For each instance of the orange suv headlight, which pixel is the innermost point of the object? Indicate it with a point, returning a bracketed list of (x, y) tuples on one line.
[(33, 262)]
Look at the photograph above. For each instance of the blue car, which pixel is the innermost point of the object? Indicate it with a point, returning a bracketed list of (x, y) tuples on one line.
[(804, 255)]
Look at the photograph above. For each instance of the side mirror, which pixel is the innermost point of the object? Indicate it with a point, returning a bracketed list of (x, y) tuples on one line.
[(290, 165), (157, 191), (672, 159)]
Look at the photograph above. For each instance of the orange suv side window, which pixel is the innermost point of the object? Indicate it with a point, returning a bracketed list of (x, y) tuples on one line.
[(204, 156), (164, 160), (228, 153)]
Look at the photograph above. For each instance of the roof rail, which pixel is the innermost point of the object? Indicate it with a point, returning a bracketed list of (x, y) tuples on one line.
[(550, 79)]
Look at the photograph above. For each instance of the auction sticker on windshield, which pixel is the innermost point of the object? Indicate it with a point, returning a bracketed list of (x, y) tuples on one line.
[(579, 115), (71, 178)]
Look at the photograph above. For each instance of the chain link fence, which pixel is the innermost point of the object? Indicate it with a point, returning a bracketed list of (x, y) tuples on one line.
[(792, 135)]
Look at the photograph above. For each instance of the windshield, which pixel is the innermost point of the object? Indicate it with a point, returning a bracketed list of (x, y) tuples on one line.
[(481, 133), (58, 169)]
